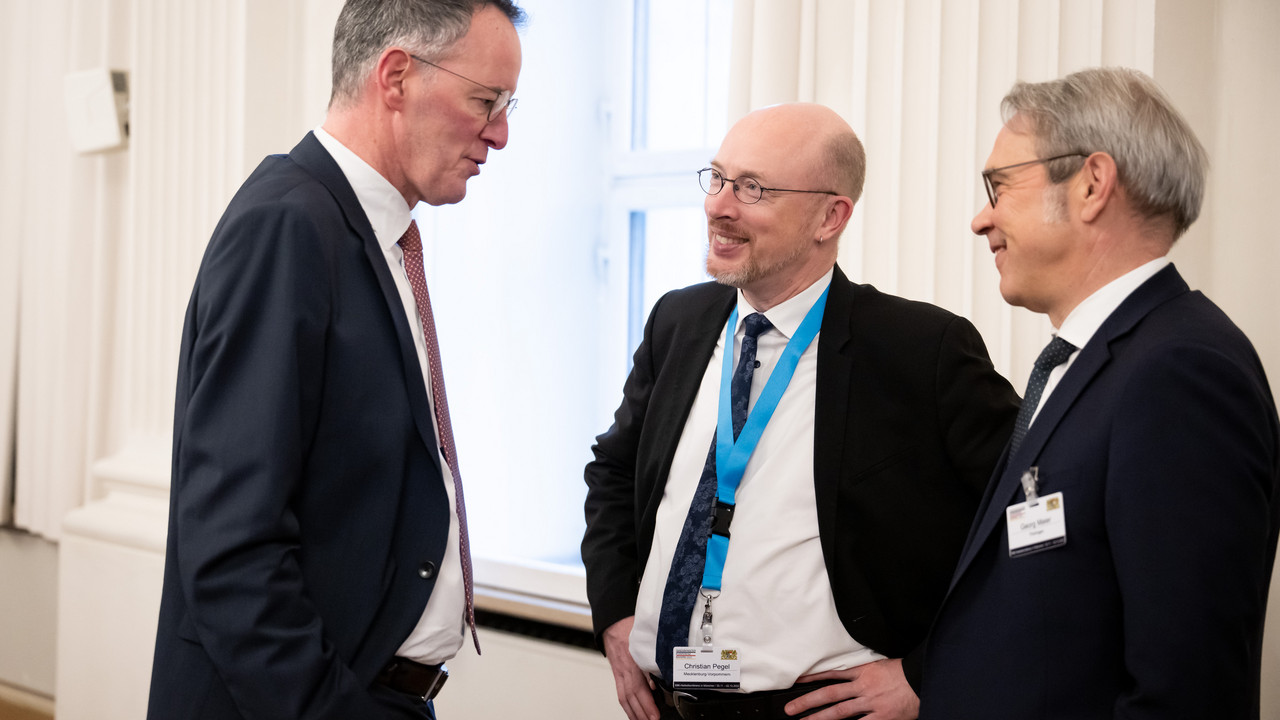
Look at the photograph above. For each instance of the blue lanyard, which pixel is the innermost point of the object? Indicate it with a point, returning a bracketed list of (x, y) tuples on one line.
[(731, 455)]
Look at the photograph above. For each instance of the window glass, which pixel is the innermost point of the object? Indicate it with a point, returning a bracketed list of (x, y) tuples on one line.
[(681, 73), (542, 278), (675, 252)]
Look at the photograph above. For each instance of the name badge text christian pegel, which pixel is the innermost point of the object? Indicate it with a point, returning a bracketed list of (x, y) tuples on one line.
[(706, 668)]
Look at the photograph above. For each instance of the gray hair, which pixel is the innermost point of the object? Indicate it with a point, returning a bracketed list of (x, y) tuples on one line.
[(428, 28), (1122, 112)]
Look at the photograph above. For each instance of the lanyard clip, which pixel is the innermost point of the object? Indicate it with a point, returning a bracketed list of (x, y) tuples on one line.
[(707, 626), (1030, 484), (721, 517)]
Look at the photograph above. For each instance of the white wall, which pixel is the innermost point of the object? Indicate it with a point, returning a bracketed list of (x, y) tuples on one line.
[(522, 678), (28, 612), (107, 246)]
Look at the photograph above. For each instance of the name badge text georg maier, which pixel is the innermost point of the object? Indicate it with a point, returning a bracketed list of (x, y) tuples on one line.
[(1037, 526)]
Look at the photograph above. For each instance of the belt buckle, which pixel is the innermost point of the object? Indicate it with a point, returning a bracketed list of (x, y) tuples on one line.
[(436, 684), (681, 700)]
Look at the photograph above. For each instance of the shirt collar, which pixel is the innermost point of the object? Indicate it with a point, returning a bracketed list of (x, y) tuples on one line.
[(1082, 322), (787, 315), (385, 207)]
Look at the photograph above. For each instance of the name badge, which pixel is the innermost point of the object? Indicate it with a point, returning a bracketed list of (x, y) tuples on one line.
[(706, 668), (1037, 525)]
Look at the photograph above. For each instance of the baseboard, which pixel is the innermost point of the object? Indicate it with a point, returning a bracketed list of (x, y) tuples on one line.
[(19, 699)]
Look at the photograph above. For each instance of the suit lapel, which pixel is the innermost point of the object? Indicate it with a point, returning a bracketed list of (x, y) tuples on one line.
[(311, 155), (688, 351), (831, 411), (1093, 357)]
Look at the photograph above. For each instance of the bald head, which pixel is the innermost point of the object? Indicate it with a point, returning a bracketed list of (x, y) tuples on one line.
[(815, 144), (796, 171)]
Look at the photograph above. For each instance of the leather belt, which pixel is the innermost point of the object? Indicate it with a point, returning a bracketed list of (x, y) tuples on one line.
[(712, 705), (413, 678)]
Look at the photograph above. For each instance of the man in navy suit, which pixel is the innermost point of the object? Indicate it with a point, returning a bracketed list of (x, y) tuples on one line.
[(317, 564), (1120, 560), (851, 511)]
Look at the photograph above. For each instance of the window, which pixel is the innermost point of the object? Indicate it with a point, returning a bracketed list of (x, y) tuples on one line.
[(542, 278), (678, 78)]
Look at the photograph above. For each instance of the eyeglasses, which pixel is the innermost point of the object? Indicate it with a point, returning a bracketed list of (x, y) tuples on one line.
[(503, 102), (747, 189), (986, 174)]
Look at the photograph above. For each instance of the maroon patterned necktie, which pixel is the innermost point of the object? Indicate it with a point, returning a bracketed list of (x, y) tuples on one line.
[(411, 243)]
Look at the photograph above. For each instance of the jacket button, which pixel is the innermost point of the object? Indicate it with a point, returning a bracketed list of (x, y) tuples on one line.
[(427, 570)]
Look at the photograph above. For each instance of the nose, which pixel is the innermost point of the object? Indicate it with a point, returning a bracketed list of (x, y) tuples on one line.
[(494, 133), (981, 224), (722, 204)]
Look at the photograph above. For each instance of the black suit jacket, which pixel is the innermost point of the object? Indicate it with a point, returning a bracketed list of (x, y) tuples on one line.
[(1162, 436), (308, 513), (910, 417)]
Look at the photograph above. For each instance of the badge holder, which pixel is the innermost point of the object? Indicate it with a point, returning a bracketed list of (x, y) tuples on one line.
[(706, 667), (1038, 524)]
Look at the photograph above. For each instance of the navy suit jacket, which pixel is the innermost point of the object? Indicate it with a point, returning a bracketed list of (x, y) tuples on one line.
[(1162, 437), (909, 419), (308, 513)]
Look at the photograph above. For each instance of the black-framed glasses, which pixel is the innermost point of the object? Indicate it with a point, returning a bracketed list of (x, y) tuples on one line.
[(503, 101), (986, 174), (747, 189)]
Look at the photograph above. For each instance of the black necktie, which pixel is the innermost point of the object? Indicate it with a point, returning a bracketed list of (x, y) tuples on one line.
[(1053, 355), (685, 576)]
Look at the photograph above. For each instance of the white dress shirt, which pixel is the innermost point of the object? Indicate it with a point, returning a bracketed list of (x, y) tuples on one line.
[(1081, 323), (775, 605), (440, 631)]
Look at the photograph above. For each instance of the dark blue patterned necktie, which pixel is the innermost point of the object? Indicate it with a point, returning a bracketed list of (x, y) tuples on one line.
[(685, 576), (1053, 355)]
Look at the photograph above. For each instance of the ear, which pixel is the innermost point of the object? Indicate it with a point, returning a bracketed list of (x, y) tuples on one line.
[(390, 74), (1099, 183), (838, 211)]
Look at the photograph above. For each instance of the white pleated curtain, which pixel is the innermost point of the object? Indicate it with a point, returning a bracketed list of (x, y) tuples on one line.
[(50, 203), (102, 249), (11, 116)]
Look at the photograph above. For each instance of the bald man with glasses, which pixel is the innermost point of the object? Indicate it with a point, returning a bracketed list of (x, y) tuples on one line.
[(775, 512)]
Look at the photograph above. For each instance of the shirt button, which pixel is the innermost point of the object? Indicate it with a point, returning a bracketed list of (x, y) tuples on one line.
[(427, 570)]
